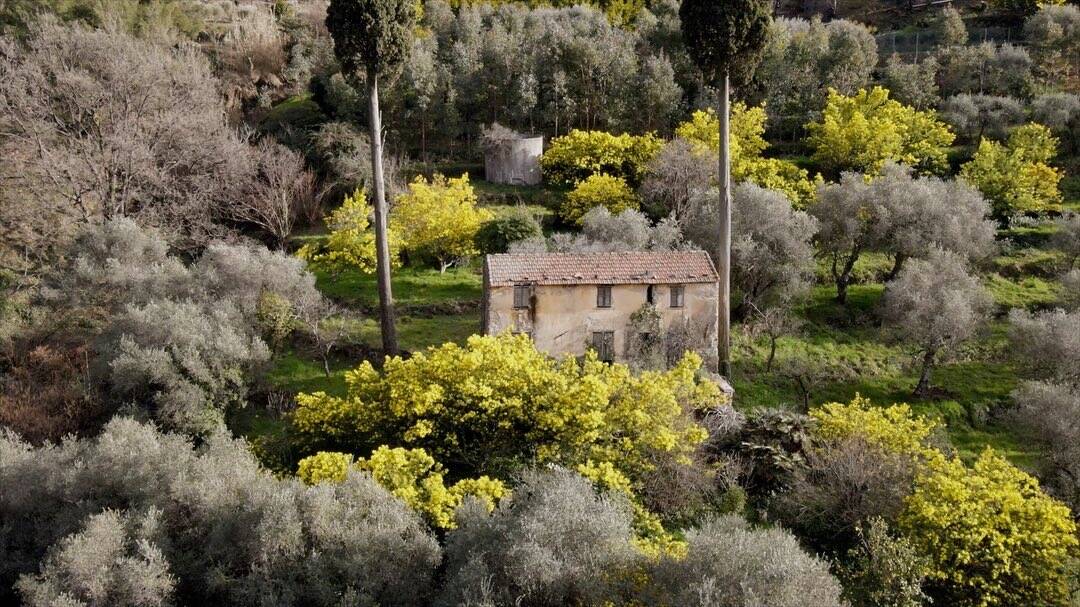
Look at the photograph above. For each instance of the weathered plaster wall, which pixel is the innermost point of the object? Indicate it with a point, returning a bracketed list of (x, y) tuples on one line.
[(563, 318)]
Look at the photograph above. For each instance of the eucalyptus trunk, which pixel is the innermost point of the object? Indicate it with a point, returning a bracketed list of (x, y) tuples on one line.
[(723, 257), (382, 245)]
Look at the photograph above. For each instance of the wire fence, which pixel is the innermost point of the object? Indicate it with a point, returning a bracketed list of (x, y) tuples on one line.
[(916, 45)]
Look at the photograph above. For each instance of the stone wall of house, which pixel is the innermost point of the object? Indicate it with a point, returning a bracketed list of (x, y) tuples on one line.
[(562, 318)]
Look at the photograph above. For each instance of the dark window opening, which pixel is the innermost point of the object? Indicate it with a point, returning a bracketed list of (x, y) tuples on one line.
[(522, 296), (677, 296), (604, 344), (650, 294), (603, 296)]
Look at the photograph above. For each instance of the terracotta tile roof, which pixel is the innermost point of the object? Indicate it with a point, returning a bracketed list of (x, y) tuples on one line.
[(632, 267)]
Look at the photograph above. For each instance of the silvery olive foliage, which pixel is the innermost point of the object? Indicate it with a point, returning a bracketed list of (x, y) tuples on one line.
[(912, 83), (985, 68), (1058, 111), (555, 541), (803, 59), (188, 362), (1066, 238), (900, 214), (977, 116), (602, 231), (934, 305), (730, 564), (226, 531), (772, 259), (180, 340), (1047, 346), (111, 561)]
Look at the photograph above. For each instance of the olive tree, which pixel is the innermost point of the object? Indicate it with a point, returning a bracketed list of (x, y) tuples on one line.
[(1067, 238), (934, 305), (975, 116), (725, 39), (676, 176), (772, 255), (1047, 347), (372, 36), (900, 214)]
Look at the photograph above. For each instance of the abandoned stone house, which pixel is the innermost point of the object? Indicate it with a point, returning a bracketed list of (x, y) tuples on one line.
[(568, 302)]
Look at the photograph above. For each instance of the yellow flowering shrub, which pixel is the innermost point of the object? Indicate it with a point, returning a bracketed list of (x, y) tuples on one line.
[(438, 219), (598, 190), (993, 537), (411, 475), (324, 466), (862, 131), (1015, 176), (351, 243), (894, 428), (498, 403), (746, 145), (575, 156)]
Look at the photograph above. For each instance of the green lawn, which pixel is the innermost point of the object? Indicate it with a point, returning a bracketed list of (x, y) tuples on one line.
[(974, 384), (411, 287)]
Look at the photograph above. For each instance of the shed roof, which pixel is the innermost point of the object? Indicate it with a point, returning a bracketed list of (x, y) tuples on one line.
[(630, 267)]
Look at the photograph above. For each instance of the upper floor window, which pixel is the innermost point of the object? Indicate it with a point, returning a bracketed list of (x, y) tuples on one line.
[(522, 296), (678, 296), (650, 294), (603, 296)]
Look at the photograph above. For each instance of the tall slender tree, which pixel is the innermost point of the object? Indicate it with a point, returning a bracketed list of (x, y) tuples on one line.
[(371, 37), (726, 39)]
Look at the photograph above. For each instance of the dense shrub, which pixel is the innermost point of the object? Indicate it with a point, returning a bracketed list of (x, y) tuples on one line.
[(993, 537), (844, 485), (189, 363), (883, 570), (496, 235), (598, 190), (556, 541), (514, 403), (410, 475), (46, 392), (729, 564), (574, 157), (217, 510)]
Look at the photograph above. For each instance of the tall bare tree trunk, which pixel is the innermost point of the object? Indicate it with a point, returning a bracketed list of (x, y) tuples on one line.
[(723, 258), (382, 246)]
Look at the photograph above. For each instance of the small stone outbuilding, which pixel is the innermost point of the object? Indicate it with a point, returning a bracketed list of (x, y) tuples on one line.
[(569, 302), (514, 160)]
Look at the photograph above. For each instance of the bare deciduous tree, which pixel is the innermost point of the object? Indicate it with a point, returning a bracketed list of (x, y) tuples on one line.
[(278, 190), (98, 124)]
